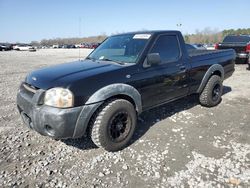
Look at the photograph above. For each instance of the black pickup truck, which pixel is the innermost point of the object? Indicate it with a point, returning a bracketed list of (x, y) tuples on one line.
[(124, 76), (240, 43)]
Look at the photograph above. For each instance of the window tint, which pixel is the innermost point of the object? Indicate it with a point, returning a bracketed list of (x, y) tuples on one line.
[(168, 48)]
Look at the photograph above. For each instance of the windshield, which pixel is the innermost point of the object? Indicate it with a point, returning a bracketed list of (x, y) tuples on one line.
[(121, 48), (237, 39)]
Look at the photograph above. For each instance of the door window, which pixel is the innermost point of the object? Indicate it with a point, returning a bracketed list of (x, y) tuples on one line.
[(168, 48)]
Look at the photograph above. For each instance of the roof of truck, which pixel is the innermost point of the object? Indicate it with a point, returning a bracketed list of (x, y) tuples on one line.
[(149, 32)]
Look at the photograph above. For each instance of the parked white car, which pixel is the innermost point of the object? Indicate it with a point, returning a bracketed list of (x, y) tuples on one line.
[(23, 47), (78, 45), (55, 46), (210, 46)]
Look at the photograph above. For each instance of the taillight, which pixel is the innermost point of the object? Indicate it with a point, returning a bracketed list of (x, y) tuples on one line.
[(248, 48), (216, 46)]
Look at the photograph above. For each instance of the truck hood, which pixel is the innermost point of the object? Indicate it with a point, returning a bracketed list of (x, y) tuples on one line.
[(63, 74)]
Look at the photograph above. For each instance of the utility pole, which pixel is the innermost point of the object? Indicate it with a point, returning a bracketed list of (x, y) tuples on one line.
[(80, 20), (179, 25)]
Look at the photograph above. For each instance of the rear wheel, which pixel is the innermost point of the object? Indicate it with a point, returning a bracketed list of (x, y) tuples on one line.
[(114, 125), (211, 95)]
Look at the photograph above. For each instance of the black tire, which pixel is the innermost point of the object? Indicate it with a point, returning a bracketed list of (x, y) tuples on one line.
[(211, 95), (248, 64), (113, 125), (246, 61)]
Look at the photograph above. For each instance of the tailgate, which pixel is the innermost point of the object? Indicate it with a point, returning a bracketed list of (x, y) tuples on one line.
[(238, 47)]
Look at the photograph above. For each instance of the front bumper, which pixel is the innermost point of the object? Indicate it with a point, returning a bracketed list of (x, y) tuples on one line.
[(51, 121)]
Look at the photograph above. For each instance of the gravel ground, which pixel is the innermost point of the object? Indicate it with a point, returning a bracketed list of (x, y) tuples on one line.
[(180, 144)]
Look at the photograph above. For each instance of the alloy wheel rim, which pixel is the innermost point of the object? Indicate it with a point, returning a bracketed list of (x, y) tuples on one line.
[(216, 92), (120, 126)]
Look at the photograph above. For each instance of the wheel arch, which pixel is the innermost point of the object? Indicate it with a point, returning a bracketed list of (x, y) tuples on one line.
[(123, 91), (215, 69), (119, 91)]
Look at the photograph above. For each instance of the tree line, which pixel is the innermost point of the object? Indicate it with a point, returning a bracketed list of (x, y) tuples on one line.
[(206, 36), (70, 41), (209, 36)]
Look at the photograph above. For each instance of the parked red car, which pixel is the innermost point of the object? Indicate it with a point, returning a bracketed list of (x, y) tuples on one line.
[(94, 45)]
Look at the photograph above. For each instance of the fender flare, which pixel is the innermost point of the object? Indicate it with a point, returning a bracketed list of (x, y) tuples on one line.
[(117, 89), (210, 71), (97, 99)]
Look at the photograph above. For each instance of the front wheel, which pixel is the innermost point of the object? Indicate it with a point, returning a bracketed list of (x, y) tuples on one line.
[(114, 125), (211, 95)]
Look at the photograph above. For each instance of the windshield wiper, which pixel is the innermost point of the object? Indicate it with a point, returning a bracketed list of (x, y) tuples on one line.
[(91, 58), (106, 59)]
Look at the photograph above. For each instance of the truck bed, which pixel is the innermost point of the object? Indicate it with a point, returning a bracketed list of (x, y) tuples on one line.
[(209, 54), (193, 53)]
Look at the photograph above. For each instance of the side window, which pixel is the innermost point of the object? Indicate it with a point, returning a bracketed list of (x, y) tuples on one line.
[(168, 48)]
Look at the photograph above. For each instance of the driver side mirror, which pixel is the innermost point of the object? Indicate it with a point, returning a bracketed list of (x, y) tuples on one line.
[(152, 59)]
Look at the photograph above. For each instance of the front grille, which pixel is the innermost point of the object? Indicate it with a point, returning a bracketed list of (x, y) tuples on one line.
[(30, 88), (31, 93)]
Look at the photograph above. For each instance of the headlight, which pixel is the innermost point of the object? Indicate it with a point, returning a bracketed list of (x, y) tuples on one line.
[(59, 97)]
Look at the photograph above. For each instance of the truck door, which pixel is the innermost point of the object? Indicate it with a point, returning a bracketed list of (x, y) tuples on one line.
[(172, 72)]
